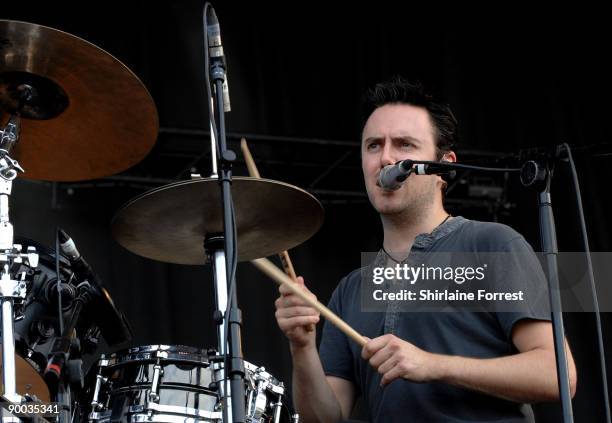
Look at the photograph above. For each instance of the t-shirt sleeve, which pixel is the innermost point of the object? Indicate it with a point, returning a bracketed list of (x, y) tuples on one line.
[(520, 270), (334, 350)]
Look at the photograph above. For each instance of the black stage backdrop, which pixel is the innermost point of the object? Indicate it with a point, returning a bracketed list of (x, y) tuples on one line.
[(297, 71)]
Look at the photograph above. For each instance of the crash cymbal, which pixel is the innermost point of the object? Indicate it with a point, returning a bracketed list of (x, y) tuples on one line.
[(170, 223), (84, 114), (29, 381)]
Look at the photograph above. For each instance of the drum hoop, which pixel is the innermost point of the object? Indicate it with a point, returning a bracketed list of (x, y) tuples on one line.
[(162, 418), (151, 353)]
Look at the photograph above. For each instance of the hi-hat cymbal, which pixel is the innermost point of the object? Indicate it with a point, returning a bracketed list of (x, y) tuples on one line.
[(29, 381), (85, 115), (170, 223)]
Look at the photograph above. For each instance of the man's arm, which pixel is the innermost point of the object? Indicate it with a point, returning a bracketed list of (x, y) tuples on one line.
[(528, 376), (317, 397)]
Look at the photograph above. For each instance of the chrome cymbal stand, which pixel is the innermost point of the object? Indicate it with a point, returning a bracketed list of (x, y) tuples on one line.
[(12, 287), (214, 247)]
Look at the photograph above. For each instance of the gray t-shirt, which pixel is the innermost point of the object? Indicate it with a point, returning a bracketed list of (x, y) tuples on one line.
[(460, 333)]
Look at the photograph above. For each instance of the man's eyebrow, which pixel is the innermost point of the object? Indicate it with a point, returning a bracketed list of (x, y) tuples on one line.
[(406, 138), (396, 138)]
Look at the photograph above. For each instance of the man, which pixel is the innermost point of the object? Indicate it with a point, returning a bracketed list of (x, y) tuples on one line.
[(424, 366)]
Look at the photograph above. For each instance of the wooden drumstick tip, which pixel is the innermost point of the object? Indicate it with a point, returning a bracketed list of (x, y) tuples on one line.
[(248, 159)]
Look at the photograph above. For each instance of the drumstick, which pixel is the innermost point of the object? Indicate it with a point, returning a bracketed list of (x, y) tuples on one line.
[(284, 255), (249, 159), (267, 267)]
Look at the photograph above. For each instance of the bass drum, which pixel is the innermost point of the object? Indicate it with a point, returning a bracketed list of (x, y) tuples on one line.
[(172, 384)]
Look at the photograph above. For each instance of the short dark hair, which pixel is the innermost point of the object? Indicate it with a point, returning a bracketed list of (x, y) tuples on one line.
[(399, 91)]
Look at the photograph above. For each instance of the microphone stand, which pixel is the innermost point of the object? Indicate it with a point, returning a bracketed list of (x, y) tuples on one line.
[(234, 361), (538, 176)]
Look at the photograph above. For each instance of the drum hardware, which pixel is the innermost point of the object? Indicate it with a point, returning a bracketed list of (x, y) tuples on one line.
[(12, 288), (157, 373), (95, 404), (213, 246), (262, 382)]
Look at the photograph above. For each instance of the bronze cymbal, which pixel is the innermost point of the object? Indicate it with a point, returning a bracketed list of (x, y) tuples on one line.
[(170, 223), (84, 114), (29, 381)]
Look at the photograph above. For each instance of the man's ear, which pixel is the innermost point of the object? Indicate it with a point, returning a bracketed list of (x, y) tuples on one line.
[(449, 157)]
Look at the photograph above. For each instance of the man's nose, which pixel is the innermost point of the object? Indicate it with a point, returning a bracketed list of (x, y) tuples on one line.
[(387, 157)]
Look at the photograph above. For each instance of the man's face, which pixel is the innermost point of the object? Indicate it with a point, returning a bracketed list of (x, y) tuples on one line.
[(397, 132)]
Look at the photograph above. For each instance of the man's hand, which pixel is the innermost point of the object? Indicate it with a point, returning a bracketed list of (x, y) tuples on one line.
[(527, 376), (295, 317), (394, 358)]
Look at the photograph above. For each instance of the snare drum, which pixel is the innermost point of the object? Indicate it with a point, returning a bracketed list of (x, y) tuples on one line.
[(155, 383), (161, 383)]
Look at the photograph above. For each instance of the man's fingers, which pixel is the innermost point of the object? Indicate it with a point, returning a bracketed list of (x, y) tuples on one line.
[(380, 357), (374, 345), (286, 290), (290, 301), (295, 311), (293, 322), (387, 365), (390, 376)]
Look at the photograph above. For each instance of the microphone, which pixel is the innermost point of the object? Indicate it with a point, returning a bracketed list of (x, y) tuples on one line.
[(392, 177), (435, 168), (218, 65), (55, 365), (113, 324)]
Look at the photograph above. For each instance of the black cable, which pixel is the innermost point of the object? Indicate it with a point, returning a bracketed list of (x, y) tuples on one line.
[(466, 166), (59, 282), (587, 251)]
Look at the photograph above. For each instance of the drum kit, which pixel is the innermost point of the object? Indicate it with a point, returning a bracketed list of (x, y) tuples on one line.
[(70, 111)]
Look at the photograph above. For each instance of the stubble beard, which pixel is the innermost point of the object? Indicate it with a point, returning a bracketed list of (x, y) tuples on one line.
[(412, 207)]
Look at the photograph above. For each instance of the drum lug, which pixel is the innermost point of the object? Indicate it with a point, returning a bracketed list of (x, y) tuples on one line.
[(259, 402), (277, 407), (157, 374), (95, 403)]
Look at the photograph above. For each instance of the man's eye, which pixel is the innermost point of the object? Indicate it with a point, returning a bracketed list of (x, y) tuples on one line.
[(406, 145), (373, 146)]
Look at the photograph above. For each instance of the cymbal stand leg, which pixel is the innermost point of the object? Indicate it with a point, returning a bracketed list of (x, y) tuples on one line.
[(214, 249)]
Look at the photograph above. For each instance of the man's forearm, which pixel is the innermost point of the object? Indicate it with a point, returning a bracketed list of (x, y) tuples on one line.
[(313, 398), (525, 377)]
